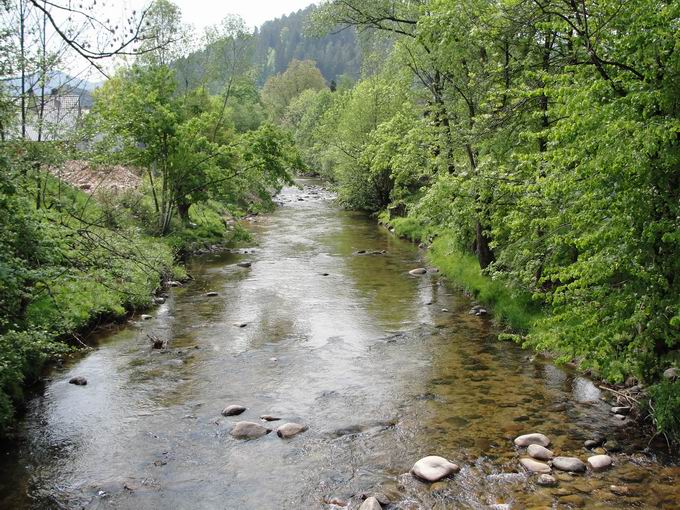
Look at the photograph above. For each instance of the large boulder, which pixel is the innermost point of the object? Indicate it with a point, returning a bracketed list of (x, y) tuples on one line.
[(248, 430), (433, 468), (288, 430), (569, 464), (539, 452), (534, 438), (599, 462), (534, 466)]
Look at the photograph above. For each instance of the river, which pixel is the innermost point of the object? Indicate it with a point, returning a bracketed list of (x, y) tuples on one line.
[(383, 367)]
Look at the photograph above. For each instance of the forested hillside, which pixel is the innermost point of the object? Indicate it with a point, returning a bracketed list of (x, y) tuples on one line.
[(535, 146), (274, 45)]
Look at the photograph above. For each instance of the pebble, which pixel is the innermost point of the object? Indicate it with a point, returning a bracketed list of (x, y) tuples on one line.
[(534, 466), (620, 490), (433, 468), (539, 452), (248, 430), (78, 381), (534, 438), (233, 410), (571, 464), (211, 294), (418, 271), (546, 480), (599, 462), (240, 324), (371, 504), (670, 373), (288, 430)]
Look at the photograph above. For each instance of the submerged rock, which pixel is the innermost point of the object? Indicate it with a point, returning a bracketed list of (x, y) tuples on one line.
[(78, 381), (539, 452), (533, 438), (418, 271), (546, 480), (534, 466), (248, 430), (269, 417), (288, 430), (569, 464), (594, 443), (244, 264), (371, 504), (233, 410), (433, 468), (599, 462)]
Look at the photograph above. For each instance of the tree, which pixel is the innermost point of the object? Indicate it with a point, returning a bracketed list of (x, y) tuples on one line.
[(281, 89)]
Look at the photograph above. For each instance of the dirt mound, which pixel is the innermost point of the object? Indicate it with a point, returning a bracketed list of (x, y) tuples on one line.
[(93, 179)]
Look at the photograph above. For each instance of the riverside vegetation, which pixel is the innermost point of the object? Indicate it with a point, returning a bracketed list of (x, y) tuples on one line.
[(70, 259), (534, 146)]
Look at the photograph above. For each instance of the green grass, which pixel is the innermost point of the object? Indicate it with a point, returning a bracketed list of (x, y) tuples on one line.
[(512, 307), (515, 308)]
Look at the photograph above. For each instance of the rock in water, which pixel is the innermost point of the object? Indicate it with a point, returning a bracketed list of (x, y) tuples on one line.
[(212, 293), (569, 464), (539, 452), (146, 317), (248, 430), (433, 468), (418, 271), (244, 264), (269, 417), (78, 381), (534, 466), (288, 430), (533, 438), (546, 480), (371, 504), (233, 410), (599, 462), (621, 410)]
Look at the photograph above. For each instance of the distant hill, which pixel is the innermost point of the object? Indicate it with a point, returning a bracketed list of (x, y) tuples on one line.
[(283, 39), (277, 43)]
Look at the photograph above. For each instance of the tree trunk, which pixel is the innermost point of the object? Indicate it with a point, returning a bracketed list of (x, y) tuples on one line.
[(484, 253)]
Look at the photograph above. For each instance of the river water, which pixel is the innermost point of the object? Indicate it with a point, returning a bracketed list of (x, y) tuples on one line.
[(383, 367)]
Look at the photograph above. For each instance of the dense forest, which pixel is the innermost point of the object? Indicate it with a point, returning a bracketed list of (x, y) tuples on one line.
[(532, 146)]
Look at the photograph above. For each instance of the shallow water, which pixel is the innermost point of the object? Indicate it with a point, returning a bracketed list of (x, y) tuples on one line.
[(383, 367)]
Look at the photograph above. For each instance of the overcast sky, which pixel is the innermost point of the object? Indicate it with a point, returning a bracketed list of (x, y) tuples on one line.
[(202, 13)]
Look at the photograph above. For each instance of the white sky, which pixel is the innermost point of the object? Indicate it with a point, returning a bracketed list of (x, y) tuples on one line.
[(202, 13)]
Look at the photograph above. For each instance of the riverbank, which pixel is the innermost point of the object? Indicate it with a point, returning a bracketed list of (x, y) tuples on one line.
[(84, 260), (655, 406)]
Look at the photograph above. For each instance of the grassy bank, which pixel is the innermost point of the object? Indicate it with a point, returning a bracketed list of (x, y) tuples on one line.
[(73, 261), (658, 405), (513, 308)]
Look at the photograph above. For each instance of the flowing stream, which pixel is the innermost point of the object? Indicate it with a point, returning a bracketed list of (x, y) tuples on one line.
[(383, 367)]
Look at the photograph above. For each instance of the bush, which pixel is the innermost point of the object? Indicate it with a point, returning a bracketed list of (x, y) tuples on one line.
[(664, 405)]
